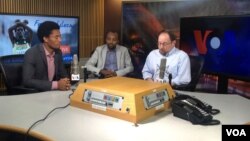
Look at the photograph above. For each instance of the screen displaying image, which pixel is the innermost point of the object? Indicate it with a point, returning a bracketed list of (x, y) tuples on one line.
[(224, 41), (18, 33)]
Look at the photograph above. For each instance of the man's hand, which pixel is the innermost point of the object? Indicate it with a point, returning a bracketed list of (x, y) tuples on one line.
[(108, 73), (64, 84), (149, 79)]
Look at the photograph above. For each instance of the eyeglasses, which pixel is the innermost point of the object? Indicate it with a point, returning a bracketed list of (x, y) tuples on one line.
[(164, 43)]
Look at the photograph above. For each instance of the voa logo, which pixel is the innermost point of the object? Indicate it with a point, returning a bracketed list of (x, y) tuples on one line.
[(236, 132), (201, 41)]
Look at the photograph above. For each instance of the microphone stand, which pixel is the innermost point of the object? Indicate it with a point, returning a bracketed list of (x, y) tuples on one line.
[(85, 74), (170, 79)]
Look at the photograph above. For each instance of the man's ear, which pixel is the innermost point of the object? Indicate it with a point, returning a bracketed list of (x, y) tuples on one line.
[(45, 39), (174, 42)]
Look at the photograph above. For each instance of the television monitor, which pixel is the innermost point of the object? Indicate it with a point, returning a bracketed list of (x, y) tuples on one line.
[(18, 33), (224, 41)]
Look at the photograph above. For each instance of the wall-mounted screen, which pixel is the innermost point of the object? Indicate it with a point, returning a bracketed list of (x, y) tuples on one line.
[(18, 33), (143, 20), (224, 41)]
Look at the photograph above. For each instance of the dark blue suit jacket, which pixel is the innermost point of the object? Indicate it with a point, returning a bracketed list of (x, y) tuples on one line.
[(35, 68)]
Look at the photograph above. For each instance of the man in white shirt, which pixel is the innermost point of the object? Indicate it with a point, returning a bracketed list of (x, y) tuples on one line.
[(177, 62)]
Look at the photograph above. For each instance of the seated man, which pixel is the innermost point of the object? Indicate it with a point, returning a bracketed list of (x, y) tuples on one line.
[(43, 68), (176, 62), (110, 59)]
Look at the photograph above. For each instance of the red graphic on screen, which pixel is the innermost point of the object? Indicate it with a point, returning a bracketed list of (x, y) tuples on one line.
[(201, 42), (65, 49)]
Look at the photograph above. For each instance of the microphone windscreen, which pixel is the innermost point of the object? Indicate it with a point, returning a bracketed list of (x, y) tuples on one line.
[(162, 68)]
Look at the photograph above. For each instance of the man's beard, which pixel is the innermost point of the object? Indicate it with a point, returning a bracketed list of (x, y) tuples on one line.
[(56, 47), (111, 46), (162, 52)]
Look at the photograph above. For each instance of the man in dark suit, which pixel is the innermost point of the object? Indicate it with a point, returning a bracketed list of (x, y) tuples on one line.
[(43, 67)]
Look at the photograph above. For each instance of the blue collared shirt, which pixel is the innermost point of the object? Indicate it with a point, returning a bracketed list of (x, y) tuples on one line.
[(178, 64), (111, 60)]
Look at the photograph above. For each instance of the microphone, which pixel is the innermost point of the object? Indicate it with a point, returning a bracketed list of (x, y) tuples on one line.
[(75, 75), (162, 68)]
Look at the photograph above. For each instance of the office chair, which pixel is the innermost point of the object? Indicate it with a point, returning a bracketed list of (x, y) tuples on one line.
[(196, 63), (11, 68)]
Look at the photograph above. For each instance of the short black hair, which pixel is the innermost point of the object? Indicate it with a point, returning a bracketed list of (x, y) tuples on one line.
[(171, 34), (111, 31), (45, 28)]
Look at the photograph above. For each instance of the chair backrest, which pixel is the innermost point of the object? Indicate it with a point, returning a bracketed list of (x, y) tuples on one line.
[(11, 68), (197, 63)]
